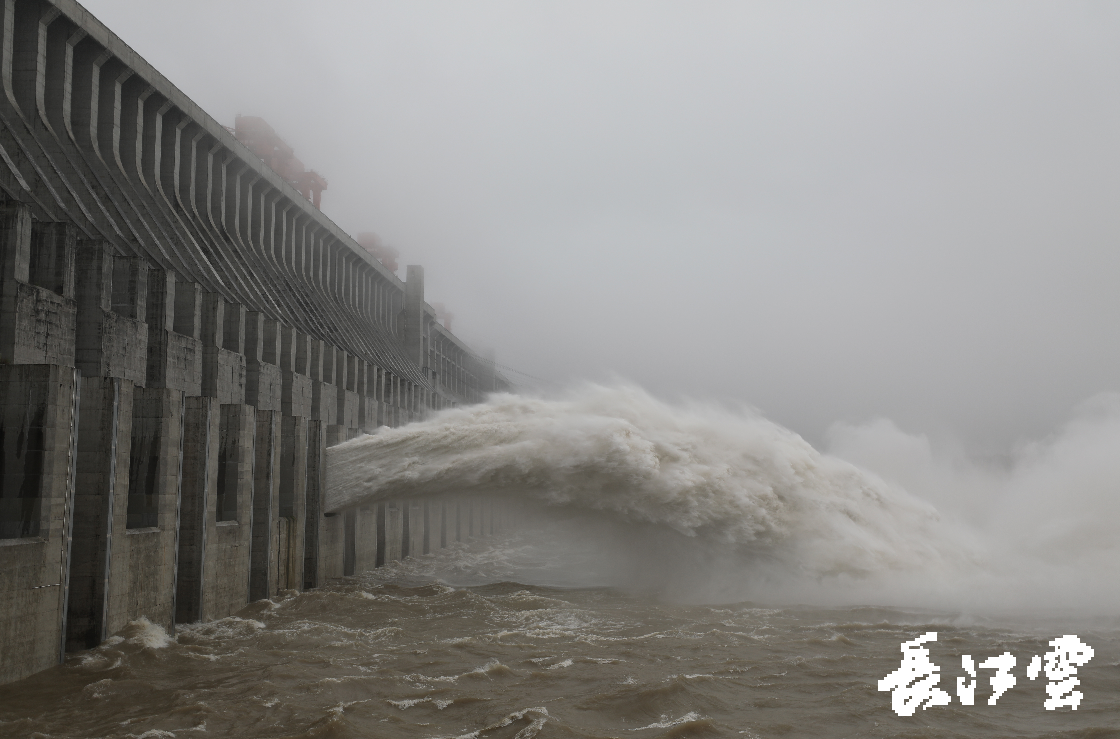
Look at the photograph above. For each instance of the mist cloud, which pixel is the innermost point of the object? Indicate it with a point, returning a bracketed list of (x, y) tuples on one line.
[(836, 212)]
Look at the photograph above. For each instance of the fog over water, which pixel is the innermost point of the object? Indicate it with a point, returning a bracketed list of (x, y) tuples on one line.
[(835, 212)]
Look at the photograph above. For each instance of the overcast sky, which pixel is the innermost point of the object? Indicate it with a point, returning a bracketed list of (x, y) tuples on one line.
[(831, 211)]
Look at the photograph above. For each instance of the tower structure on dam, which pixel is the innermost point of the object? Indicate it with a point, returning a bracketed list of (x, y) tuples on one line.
[(181, 335)]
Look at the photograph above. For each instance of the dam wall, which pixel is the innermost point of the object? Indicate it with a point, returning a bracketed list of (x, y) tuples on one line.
[(182, 335)]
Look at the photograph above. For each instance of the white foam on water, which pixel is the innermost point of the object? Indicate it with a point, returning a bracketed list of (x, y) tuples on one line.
[(223, 629), (146, 634), (408, 703), (667, 723), (537, 718)]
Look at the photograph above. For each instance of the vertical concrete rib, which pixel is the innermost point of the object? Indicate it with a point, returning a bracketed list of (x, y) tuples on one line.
[(251, 223), (53, 103), (200, 479), (263, 576), (99, 471), (14, 138), (193, 187), (213, 198), (28, 78), (314, 570), (292, 519), (151, 150), (85, 60)]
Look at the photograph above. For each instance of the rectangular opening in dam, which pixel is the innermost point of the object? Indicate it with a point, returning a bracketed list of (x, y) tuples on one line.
[(52, 257), (379, 561), (286, 500), (21, 467), (427, 527), (143, 469), (406, 531), (228, 468), (226, 509), (349, 551), (443, 525), (130, 287)]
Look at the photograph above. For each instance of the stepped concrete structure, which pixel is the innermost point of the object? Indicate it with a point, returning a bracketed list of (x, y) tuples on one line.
[(182, 334)]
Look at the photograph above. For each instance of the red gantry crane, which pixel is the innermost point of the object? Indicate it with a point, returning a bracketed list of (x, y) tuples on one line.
[(262, 140)]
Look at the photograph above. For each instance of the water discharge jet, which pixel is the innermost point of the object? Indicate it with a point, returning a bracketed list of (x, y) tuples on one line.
[(749, 504)]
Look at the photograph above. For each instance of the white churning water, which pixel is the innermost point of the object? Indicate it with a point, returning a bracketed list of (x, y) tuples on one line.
[(771, 515), (733, 478)]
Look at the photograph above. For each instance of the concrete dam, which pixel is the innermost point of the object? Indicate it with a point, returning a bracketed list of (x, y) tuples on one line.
[(183, 333)]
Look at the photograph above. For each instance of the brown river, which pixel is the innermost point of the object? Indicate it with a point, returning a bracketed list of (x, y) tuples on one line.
[(445, 646)]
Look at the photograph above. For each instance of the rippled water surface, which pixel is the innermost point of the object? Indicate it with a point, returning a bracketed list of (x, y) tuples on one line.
[(444, 646)]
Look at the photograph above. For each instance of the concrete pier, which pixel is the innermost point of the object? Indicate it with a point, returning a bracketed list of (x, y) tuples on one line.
[(292, 514), (182, 336), (39, 406), (264, 575), (319, 538), (104, 437), (201, 435)]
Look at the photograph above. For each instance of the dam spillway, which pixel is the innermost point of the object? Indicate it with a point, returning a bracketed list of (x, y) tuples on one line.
[(182, 334)]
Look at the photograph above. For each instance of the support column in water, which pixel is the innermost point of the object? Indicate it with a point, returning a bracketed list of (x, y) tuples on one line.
[(263, 574), (40, 404), (291, 523), (104, 440), (198, 496)]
